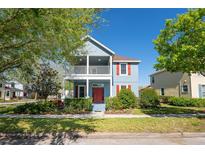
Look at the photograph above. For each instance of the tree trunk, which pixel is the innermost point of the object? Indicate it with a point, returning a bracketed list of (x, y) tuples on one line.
[(36, 95)]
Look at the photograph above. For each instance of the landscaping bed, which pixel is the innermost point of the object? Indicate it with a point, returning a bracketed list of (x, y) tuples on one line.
[(162, 109), (70, 106), (153, 125)]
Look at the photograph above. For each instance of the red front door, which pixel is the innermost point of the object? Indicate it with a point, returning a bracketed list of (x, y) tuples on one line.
[(98, 95)]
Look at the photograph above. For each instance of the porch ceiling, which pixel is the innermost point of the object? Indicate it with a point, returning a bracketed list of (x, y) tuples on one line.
[(99, 60)]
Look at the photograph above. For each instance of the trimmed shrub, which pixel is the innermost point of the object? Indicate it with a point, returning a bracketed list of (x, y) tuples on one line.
[(77, 105), (149, 98), (164, 99), (113, 103), (127, 98), (182, 101), (35, 108)]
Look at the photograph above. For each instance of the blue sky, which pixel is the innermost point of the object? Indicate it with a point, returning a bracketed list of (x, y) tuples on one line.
[(130, 32)]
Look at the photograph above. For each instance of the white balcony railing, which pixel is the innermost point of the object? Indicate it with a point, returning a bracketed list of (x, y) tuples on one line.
[(99, 69), (92, 70), (78, 70)]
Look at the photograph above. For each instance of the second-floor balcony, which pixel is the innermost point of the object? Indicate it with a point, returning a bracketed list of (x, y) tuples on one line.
[(91, 70), (97, 65)]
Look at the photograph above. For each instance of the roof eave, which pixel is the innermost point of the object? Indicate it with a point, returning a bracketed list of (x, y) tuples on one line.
[(131, 61)]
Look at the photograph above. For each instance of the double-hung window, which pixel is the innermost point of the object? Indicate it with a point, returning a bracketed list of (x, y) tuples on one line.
[(123, 69)]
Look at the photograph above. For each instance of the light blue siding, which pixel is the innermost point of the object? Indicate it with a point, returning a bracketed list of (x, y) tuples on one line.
[(93, 49), (127, 80)]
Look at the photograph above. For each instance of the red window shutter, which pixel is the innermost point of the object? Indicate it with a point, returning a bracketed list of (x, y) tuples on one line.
[(117, 89), (118, 69), (129, 86), (129, 69)]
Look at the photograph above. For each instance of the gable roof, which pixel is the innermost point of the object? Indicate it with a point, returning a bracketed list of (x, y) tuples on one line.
[(100, 44), (118, 58)]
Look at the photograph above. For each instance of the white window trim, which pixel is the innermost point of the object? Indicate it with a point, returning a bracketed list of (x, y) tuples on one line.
[(201, 92), (126, 69), (79, 90)]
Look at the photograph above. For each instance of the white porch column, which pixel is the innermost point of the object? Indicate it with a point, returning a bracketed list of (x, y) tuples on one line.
[(87, 64), (111, 76), (87, 86), (111, 65), (111, 87)]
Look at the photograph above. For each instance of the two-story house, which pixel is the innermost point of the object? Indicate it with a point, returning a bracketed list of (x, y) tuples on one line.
[(178, 84), (101, 73), (11, 89)]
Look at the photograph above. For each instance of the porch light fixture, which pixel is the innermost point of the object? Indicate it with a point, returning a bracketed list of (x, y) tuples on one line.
[(99, 59), (80, 59)]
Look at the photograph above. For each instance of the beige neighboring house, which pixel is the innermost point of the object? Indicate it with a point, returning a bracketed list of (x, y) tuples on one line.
[(178, 84)]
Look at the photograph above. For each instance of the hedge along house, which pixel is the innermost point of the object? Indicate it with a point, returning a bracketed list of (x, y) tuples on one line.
[(100, 73)]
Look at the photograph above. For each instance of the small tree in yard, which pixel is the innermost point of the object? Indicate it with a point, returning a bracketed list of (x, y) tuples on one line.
[(149, 98), (127, 98), (46, 82)]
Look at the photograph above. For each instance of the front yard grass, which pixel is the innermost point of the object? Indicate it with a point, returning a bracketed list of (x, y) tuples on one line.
[(163, 109), (137, 125)]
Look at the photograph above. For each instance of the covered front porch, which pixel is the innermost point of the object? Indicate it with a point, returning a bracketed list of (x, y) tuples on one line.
[(98, 90), (89, 88)]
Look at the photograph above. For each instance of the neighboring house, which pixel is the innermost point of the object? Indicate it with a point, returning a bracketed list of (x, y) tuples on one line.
[(178, 84), (11, 89), (101, 73)]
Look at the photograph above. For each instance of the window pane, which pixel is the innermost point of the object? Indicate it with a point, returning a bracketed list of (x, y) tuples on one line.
[(123, 69), (123, 87)]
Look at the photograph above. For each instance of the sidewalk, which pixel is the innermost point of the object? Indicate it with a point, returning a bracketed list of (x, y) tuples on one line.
[(18, 102), (99, 115)]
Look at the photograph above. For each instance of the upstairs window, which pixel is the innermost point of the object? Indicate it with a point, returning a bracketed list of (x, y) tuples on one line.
[(1, 85), (184, 88), (152, 79), (123, 69)]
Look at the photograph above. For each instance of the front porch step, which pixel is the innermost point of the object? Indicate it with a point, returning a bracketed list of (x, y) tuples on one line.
[(98, 107)]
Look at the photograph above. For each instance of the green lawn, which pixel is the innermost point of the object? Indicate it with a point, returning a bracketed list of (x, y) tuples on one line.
[(159, 125), (163, 109)]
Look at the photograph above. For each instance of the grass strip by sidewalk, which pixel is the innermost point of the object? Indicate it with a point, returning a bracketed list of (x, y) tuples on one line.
[(154, 125)]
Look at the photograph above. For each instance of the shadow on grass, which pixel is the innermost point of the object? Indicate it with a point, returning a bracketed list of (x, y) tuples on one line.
[(44, 131)]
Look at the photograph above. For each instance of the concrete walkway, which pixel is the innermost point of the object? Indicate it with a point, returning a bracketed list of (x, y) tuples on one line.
[(18, 102), (104, 138), (98, 115)]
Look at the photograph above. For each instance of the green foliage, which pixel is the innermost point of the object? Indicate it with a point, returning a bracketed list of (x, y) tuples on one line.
[(164, 99), (76, 105), (36, 108), (124, 100), (113, 103), (127, 98), (182, 101), (149, 98), (46, 82), (181, 43), (28, 35)]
